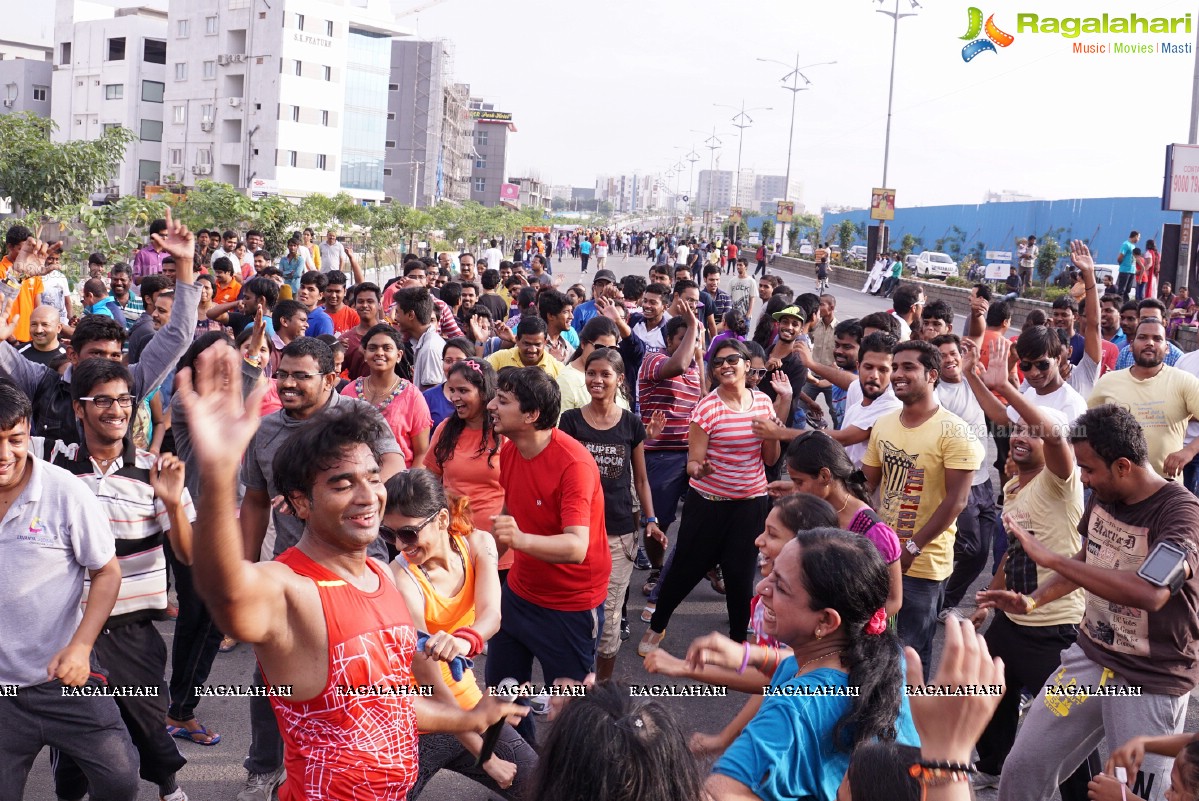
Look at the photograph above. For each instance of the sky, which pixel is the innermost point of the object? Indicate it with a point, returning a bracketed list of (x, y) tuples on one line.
[(601, 87)]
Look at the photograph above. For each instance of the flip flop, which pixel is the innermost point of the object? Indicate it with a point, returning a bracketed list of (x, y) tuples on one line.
[(184, 733)]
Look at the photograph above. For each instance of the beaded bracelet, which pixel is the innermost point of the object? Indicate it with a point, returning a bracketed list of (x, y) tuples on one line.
[(935, 774), (744, 661)]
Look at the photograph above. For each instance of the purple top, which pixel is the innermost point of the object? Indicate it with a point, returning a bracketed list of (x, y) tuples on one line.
[(147, 261), (872, 527), (717, 340)]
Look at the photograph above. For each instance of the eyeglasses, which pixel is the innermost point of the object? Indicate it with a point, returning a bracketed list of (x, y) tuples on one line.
[(405, 534), (756, 372), (730, 360), (106, 401), (1041, 365), (299, 378)]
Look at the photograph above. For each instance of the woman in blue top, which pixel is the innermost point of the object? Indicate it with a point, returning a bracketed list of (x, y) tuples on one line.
[(825, 599)]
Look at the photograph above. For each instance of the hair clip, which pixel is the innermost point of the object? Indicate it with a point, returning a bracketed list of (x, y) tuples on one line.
[(474, 365)]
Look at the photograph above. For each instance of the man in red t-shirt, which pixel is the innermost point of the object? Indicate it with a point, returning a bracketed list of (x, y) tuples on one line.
[(553, 601), (344, 318)]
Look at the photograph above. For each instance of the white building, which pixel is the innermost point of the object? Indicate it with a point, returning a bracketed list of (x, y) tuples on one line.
[(286, 96), (110, 65)]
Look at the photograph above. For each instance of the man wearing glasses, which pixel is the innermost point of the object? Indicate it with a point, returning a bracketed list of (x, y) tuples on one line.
[(305, 382)]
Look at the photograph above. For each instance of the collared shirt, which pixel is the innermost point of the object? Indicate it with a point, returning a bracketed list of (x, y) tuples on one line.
[(510, 357), (1120, 339), (426, 356), (1126, 358), (823, 341), (132, 308), (148, 261)]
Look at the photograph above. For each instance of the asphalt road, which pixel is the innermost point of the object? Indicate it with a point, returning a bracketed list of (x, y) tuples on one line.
[(216, 773)]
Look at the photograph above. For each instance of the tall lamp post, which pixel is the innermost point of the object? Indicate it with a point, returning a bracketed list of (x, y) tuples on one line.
[(712, 143), (691, 157), (895, 16), (794, 88), (741, 121)]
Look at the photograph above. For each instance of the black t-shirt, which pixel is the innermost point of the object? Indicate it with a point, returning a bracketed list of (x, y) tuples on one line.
[(796, 373), (494, 304), (41, 356), (613, 452)]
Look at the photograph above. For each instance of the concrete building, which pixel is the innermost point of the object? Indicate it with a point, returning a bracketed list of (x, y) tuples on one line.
[(430, 132), (287, 97), (25, 85), (772, 188), (490, 157), (534, 193), (110, 70)]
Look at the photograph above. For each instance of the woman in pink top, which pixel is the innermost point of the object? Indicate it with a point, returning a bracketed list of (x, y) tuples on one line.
[(726, 504), (399, 401)]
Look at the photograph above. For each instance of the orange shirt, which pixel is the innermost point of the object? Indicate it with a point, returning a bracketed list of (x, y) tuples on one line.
[(26, 301), (227, 294), (470, 475), (343, 319)]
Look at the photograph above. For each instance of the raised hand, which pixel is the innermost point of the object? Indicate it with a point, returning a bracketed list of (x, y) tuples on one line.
[(167, 479), (478, 330), (656, 425), (969, 356), (212, 398), (804, 351), (7, 326), (780, 384), (31, 258), (996, 374), (1080, 256), (176, 240)]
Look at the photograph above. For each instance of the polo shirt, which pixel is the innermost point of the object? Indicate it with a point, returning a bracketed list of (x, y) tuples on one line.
[(510, 357)]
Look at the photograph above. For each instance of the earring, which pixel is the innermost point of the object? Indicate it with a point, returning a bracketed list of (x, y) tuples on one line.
[(819, 635)]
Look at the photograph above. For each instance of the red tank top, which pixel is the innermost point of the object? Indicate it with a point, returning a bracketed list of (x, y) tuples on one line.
[(340, 746)]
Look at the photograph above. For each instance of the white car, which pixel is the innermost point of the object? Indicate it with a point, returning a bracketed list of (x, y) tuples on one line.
[(931, 264), (858, 253), (806, 249)]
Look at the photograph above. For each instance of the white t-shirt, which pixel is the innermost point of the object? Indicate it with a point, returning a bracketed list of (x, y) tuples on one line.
[(1190, 363), (56, 291), (493, 256), (864, 417), (959, 399), (682, 253), (905, 330), (1084, 375), (332, 256), (1065, 399)]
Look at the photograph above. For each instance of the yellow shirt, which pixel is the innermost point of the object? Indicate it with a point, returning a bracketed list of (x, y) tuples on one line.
[(573, 386), (510, 357), (1049, 508), (1163, 405), (26, 301), (913, 463)]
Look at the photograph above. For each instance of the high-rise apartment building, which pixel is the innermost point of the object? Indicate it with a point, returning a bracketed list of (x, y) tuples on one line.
[(279, 96), (490, 157)]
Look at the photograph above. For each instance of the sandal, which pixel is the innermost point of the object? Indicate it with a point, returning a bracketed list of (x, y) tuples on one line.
[(650, 642), (184, 733), (716, 577), (228, 644), (651, 582)]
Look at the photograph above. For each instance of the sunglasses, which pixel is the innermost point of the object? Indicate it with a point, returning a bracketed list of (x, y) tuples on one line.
[(405, 535), (1041, 365), (756, 372), (730, 360)]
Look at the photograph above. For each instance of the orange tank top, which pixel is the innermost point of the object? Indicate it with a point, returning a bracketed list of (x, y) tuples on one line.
[(444, 613), (344, 745)]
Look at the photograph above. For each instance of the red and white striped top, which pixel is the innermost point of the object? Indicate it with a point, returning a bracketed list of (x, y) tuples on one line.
[(734, 451), (675, 397)]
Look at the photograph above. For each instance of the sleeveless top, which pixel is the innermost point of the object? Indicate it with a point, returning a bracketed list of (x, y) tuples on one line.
[(444, 613), (347, 745)]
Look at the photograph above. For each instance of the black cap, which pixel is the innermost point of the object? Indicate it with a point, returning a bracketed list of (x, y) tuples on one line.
[(604, 275)]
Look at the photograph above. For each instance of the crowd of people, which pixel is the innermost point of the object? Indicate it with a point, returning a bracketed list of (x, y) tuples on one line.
[(374, 486)]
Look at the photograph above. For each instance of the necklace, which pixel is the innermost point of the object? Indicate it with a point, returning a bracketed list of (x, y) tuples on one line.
[(842, 509), (364, 394), (816, 659)]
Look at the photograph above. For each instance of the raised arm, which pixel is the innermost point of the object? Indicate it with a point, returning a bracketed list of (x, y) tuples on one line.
[(169, 344), (684, 354), (1080, 254)]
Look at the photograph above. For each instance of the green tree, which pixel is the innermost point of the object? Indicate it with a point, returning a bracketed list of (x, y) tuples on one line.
[(210, 204), (1048, 255), (40, 175), (275, 217), (908, 245), (559, 204), (767, 229), (846, 231)]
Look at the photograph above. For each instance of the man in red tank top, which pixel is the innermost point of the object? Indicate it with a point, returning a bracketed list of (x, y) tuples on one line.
[(329, 628)]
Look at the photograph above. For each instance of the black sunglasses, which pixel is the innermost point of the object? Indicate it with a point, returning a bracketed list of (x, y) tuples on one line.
[(730, 360), (405, 535), (1041, 365), (756, 372)]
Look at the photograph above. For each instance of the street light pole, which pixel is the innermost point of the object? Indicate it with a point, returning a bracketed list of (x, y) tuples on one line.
[(1185, 245), (895, 16)]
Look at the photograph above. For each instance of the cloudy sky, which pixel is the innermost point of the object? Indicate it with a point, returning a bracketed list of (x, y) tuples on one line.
[(610, 86)]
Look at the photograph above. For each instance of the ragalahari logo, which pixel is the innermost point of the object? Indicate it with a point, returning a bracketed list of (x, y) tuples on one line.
[(993, 37)]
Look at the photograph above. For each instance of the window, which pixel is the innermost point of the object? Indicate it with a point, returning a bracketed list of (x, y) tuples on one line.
[(211, 25), (325, 118), (206, 112), (209, 70), (387, 170), (152, 91), (480, 184), (329, 28), (480, 164), (291, 158), (110, 126), (181, 71), (320, 161), (175, 157), (41, 93), (204, 156), (154, 51), (184, 29), (328, 73), (64, 53), (300, 21), (391, 115), (151, 131), (393, 87), (149, 171), (299, 68), (389, 143), (116, 49), (179, 114), (295, 113), (481, 137), (113, 91)]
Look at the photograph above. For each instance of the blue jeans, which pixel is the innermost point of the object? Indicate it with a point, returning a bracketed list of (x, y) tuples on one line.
[(1190, 476), (667, 474), (976, 526), (918, 616)]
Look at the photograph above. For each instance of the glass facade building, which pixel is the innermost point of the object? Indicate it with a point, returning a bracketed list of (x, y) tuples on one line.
[(364, 129)]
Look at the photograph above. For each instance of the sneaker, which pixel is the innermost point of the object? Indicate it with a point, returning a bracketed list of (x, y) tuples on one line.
[(642, 562), (651, 582), (625, 631), (262, 786), (178, 795), (647, 614), (944, 614), (650, 643), (981, 781)]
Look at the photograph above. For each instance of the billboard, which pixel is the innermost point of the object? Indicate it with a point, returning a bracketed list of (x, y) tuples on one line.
[(480, 115), (1181, 192), (786, 211), (261, 187), (510, 194), (735, 215), (882, 204)]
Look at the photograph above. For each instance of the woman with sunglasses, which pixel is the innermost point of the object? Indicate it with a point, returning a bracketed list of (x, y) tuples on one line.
[(615, 437), (446, 572), (465, 446), (398, 400), (726, 503), (598, 333)]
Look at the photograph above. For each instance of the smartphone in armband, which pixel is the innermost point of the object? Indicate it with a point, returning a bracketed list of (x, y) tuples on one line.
[(1165, 567)]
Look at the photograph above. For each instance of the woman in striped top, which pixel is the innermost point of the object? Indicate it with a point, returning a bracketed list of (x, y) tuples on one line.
[(726, 504)]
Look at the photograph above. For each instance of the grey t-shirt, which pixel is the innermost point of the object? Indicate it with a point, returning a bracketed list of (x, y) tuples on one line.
[(257, 471), (53, 534), (331, 256)]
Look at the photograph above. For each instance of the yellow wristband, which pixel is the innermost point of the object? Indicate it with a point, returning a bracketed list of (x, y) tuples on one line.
[(1032, 604)]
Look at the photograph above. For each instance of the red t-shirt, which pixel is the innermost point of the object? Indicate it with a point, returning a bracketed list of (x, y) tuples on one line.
[(343, 319), (1110, 353), (557, 488), (732, 252)]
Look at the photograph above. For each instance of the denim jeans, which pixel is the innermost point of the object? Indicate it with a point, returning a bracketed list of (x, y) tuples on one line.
[(976, 526), (667, 474), (918, 616), (1190, 476)]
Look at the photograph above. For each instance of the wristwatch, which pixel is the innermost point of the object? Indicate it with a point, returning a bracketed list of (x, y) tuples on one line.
[(911, 547), (645, 521)]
